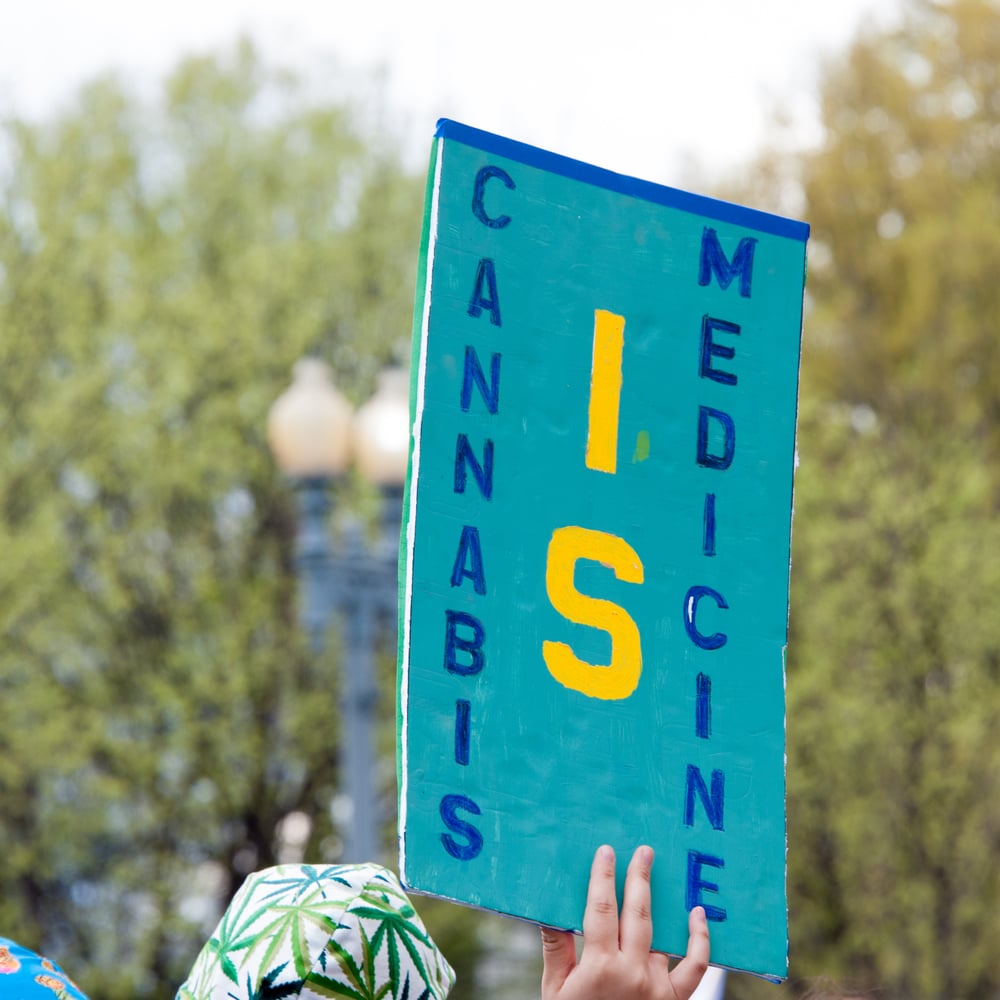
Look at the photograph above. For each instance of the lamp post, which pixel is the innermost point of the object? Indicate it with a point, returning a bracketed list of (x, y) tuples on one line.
[(314, 437)]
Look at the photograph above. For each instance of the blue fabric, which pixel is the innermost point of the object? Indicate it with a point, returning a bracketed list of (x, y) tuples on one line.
[(27, 976)]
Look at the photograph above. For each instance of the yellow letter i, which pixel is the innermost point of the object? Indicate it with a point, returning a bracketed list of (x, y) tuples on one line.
[(605, 391)]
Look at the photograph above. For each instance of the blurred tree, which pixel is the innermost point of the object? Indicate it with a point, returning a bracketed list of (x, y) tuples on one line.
[(894, 813), (904, 199), (894, 654), (161, 268)]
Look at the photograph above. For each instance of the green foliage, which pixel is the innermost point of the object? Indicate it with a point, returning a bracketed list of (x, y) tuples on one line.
[(894, 769), (894, 654), (904, 200), (161, 268)]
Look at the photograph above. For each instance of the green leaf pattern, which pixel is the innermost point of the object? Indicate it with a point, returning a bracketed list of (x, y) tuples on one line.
[(312, 931)]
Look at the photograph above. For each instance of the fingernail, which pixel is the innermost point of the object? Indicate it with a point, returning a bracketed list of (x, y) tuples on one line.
[(606, 853), (645, 855)]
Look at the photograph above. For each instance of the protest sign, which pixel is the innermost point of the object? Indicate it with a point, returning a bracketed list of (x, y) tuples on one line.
[(596, 544)]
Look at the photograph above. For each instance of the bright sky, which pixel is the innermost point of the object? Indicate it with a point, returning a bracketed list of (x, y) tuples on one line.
[(663, 89)]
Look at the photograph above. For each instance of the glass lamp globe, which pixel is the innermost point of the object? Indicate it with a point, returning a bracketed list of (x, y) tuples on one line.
[(309, 425), (382, 430)]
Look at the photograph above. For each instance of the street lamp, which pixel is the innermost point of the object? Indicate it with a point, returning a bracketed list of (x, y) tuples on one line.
[(314, 437)]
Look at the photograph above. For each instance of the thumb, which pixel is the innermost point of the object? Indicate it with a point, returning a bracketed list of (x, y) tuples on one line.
[(558, 960)]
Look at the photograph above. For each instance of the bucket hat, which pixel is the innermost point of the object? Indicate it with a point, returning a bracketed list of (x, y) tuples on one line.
[(314, 931)]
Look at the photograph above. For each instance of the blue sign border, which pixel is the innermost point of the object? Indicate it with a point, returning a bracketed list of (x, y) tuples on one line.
[(660, 194)]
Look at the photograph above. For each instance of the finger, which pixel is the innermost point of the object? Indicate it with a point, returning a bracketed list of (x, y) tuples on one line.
[(558, 960), (659, 967), (600, 919), (636, 930), (691, 968)]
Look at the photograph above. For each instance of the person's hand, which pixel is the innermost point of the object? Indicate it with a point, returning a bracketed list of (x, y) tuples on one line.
[(616, 963)]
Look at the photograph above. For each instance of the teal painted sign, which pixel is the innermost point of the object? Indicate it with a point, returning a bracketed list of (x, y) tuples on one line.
[(596, 542)]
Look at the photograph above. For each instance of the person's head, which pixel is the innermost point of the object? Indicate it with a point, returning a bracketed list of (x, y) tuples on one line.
[(312, 931)]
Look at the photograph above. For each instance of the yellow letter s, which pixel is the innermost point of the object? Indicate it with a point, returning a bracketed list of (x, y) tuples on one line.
[(619, 678)]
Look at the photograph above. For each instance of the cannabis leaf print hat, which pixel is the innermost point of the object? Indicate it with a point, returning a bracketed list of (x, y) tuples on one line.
[(313, 931)]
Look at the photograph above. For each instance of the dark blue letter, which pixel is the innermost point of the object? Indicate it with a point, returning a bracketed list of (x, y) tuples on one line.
[(706, 458), (474, 374), (469, 551), (713, 803), (710, 349), (703, 707), (483, 474), (462, 710), (695, 883), (486, 274), (478, 209), (453, 641), (708, 538), (691, 599), (713, 261), (450, 804)]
